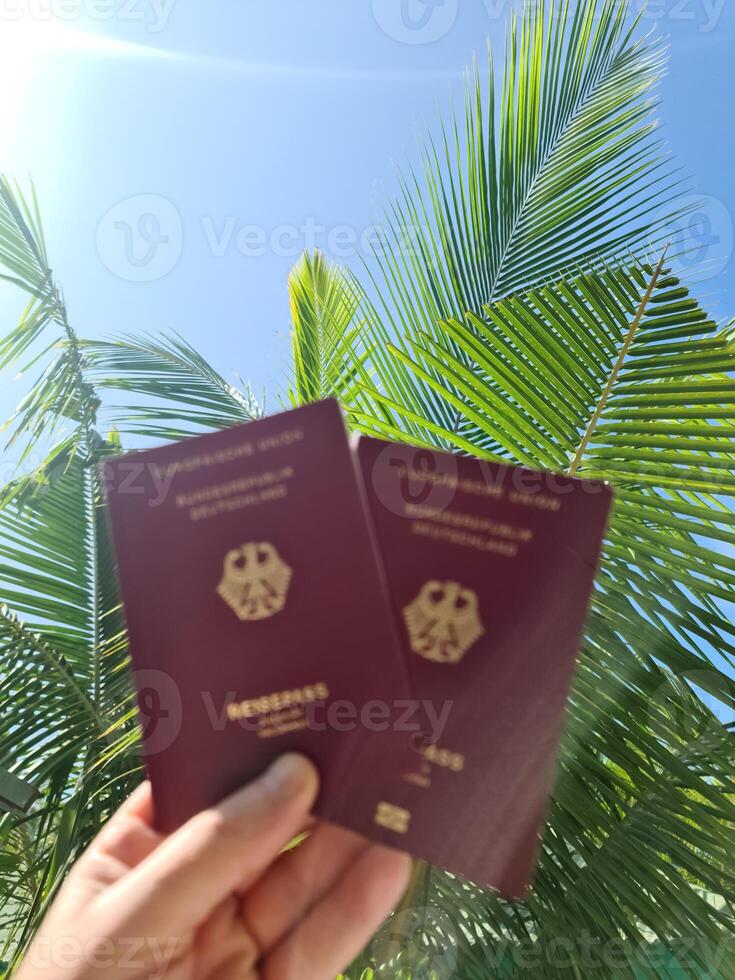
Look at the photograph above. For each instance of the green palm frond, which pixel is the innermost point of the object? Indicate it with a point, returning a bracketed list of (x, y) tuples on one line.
[(621, 376), (556, 167), (65, 698), (180, 392), (22, 247), (33, 322), (326, 331), (61, 401), (64, 685), (46, 576)]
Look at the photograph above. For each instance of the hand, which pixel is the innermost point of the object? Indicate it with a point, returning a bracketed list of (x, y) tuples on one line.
[(218, 898)]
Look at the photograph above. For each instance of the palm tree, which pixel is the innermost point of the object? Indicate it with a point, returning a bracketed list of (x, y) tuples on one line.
[(520, 307)]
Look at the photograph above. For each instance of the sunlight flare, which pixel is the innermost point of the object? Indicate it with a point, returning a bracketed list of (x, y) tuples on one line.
[(25, 44)]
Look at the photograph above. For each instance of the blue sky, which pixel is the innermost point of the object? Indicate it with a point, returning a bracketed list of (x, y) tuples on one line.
[(236, 133)]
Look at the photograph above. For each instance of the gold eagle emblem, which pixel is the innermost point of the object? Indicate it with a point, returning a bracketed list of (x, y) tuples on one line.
[(255, 581), (443, 621)]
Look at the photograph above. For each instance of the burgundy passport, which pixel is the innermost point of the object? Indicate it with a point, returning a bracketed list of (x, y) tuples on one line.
[(408, 619), (489, 569), (257, 617)]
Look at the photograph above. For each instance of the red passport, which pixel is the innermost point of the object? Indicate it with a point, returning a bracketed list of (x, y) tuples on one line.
[(257, 617), (407, 619), (490, 570)]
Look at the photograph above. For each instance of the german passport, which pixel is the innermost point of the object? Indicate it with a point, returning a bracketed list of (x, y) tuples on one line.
[(408, 619), (257, 616), (489, 571)]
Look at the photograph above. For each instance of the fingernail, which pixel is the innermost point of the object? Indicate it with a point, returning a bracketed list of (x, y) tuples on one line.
[(292, 775)]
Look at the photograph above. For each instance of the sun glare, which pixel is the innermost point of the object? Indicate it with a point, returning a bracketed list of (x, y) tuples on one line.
[(36, 49), (26, 43)]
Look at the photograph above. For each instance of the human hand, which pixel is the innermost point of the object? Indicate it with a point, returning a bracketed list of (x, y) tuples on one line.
[(217, 898)]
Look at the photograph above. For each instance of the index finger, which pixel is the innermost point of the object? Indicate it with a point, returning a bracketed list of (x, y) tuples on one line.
[(220, 849)]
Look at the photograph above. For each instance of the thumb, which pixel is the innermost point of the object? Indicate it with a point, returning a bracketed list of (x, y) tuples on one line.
[(219, 850)]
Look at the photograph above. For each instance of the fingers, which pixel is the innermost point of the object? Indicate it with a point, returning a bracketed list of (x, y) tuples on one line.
[(128, 837), (139, 804), (220, 849), (125, 841), (297, 881), (340, 925), (225, 949)]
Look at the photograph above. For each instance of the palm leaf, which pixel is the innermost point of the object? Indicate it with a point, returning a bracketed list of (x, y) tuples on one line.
[(325, 336), (617, 375), (181, 393), (557, 167), (64, 686), (22, 248)]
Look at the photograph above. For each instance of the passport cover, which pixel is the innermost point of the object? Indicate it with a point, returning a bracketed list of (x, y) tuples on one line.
[(257, 618), (490, 569)]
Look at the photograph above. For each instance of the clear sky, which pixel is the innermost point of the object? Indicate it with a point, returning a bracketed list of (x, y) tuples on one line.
[(230, 135)]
